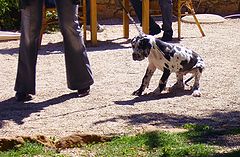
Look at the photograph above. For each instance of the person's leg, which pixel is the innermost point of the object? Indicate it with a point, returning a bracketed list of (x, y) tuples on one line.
[(31, 20), (50, 3), (88, 11), (100, 28), (79, 75), (154, 28), (137, 6), (166, 9)]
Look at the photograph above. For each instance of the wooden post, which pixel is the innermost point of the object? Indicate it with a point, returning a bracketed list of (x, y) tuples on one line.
[(145, 16), (84, 12), (179, 7), (93, 8)]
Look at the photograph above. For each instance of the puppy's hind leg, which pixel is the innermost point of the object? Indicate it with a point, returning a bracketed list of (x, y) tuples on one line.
[(196, 86), (179, 84)]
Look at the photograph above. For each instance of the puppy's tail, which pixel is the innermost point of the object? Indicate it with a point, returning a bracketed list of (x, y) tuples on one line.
[(189, 79)]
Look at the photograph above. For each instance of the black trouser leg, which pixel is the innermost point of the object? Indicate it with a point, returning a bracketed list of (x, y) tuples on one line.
[(78, 70), (31, 20)]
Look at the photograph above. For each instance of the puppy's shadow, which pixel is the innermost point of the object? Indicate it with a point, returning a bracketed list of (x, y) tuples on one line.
[(150, 97)]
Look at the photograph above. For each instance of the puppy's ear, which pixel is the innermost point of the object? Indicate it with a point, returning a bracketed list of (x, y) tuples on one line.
[(145, 43), (134, 42), (146, 46)]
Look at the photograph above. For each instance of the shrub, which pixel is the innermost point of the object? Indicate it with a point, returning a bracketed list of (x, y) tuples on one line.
[(9, 15)]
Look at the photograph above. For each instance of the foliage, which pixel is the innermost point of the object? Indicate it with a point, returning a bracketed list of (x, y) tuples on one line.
[(30, 149), (9, 15), (159, 144), (52, 18)]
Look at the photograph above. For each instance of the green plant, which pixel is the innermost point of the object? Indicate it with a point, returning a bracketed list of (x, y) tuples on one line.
[(52, 18), (9, 15), (152, 144), (29, 150)]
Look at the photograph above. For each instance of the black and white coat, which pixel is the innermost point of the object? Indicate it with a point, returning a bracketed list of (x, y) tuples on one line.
[(168, 58)]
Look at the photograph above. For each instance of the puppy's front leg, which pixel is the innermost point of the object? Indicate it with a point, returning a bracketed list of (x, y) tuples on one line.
[(162, 82), (146, 79)]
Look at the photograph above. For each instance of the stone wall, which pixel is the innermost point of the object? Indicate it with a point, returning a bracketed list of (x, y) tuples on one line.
[(112, 8), (222, 7)]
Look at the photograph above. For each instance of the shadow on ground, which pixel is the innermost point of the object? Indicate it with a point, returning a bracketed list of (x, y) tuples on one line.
[(226, 124), (149, 97), (57, 48), (17, 111)]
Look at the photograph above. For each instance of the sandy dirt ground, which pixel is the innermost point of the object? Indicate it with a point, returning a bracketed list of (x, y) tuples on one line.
[(110, 108)]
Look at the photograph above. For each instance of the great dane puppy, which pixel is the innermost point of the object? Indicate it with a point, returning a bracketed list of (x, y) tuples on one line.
[(168, 58)]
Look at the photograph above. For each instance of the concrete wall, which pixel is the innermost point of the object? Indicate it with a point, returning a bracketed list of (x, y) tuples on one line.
[(112, 8)]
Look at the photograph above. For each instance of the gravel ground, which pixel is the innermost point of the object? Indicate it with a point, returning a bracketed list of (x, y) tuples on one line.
[(110, 109)]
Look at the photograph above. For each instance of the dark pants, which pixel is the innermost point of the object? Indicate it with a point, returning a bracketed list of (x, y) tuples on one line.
[(50, 3), (166, 9), (88, 12), (78, 70)]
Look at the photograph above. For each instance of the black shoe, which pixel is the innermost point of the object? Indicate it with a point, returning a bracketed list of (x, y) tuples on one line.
[(167, 36), (23, 97), (154, 30), (83, 92)]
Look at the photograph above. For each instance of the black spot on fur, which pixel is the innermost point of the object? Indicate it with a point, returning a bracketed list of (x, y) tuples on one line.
[(164, 78), (162, 47), (167, 56), (161, 87), (193, 60), (194, 54), (188, 65), (184, 62), (166, 73), (144, 44), (172, 53), (167, 66), (178, 48)]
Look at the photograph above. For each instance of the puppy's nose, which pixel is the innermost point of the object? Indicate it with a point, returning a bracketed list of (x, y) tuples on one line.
[(135, 56)]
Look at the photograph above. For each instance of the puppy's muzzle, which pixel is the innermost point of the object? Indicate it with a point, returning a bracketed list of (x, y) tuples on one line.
[(137, 57)]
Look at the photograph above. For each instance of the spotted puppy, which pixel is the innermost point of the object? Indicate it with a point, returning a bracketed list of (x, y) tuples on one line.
[(168, 58)]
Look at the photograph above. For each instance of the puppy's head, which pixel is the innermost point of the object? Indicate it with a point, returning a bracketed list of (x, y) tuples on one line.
[(141, 46)]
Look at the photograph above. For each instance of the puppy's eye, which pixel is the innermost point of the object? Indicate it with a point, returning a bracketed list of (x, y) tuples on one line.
[(133, 40)]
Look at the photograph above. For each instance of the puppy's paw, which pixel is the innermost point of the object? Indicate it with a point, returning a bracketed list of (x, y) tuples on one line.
[(196, 93), (137, 92)]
